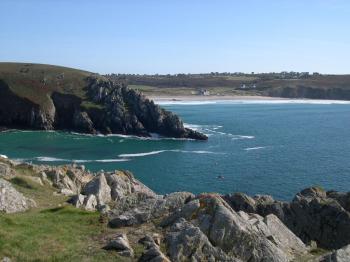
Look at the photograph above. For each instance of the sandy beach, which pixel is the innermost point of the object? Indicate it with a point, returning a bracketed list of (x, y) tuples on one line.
[(161, 98)]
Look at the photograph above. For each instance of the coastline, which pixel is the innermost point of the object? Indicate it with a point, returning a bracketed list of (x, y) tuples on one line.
[(198, 99)]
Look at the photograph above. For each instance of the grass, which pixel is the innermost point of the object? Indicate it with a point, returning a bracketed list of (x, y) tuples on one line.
[(54, 231), (37, 82), (57, 234)]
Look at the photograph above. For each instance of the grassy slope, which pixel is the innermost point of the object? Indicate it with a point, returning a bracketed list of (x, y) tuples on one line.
[(36, 82), (54, 231), (229, 85)]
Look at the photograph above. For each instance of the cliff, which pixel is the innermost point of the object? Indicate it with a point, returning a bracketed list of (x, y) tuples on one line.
[(73, 214), (44, 97)]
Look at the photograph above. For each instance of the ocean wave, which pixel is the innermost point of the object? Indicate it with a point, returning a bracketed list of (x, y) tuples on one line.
[(170, 150), (254, 148), (54, 159), (112, 160), (238, 137), (142, 154), (3, 156)]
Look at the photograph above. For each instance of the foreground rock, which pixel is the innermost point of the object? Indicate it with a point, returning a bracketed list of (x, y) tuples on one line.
[(183, 227), (248, 237), (120, 243), (340, 255), (11, 201), (313, 215)]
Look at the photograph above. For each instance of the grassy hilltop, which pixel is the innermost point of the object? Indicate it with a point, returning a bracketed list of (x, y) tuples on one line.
[(37, 82), (284, 84)]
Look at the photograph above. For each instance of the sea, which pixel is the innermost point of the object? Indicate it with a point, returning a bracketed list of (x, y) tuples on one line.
[(275, 147)]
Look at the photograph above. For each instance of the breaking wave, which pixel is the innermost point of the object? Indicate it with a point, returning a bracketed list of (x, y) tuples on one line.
[(170, 150)]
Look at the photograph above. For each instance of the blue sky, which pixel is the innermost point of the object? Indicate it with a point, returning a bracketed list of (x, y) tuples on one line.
[(189, 36)]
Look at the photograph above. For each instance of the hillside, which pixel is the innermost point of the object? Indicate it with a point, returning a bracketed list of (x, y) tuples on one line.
[(35, 96), (288, 85)]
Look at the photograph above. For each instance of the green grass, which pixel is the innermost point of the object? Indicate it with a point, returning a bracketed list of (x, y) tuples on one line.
[(37, 82), (54, 230), (58, 234)]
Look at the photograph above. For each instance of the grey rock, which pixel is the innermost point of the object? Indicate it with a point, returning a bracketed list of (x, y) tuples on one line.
[(340, 255), (12, 201), (120, 243), (148, 209), (83, 123), (153, 254), (6, 259), (90, 203), (5, 170), (313, 215), (99, 187), (233, 233), (186, 242)]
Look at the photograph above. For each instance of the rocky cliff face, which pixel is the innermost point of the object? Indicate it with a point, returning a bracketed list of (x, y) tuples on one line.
[(105, 107), (208, 227)]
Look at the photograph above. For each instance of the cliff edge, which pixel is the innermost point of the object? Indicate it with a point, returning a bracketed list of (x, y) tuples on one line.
[(45, 97)]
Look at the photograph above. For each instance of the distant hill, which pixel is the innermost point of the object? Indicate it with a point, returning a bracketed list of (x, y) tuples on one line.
[(285, 84), (46, 97)]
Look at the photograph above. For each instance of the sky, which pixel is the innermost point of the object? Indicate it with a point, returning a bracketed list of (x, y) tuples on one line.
[(178, 36)]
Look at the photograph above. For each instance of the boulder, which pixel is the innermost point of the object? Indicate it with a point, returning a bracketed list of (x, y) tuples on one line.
[(120, 243), (99, 187), (153, 254), (5, 170), (185, 242), (12, 201), (249, 238), (340, 255), (90, 203), (147, 209), (313, 215)]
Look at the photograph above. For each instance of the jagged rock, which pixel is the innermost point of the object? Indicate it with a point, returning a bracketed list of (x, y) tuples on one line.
[(5, 170), (66, 192), (123, 184), (83, 123), (153, 254), (234, 233), (340, 255), (99, 187), (313, 215), (147, 209), (186, 242), (11, 201), (61, 180), (120, 243), (90, 203), (6, 259), (77, 200)]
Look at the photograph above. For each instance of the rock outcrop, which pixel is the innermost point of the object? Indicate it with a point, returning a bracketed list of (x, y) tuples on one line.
[(183, 227), (120, 243), (127, 111), (313, 215), (12, 201), (248, 237), (81, 102)]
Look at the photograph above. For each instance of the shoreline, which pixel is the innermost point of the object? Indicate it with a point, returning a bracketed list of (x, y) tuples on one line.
[(197, 99)]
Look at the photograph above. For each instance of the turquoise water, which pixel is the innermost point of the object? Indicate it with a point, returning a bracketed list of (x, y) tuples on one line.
[(274, 149)]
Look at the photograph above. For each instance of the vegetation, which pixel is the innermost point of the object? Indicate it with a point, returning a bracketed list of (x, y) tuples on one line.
[(285, 84), (54, 231), (37, 82)]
